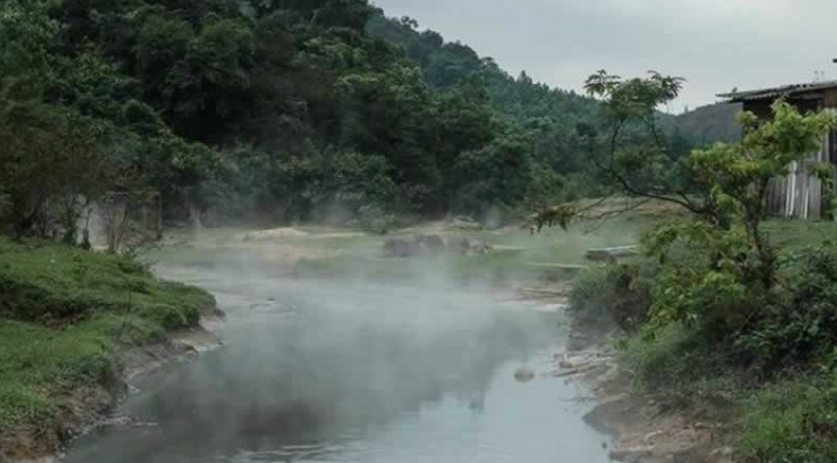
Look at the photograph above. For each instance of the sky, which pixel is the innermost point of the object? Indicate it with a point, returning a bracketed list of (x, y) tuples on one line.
[(717, 45)]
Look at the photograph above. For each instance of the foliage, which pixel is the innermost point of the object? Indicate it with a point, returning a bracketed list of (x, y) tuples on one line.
[(480, 99), (497, 175), (739, 282), (613, 295), (632, 154), (799, 328), (792, 421), (373, 219), (216, 105), (725, 188), (333, 186), (219, 108), (724, 310), (674, 361)]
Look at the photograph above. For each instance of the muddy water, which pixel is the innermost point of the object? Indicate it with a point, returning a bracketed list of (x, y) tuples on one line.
[(324, 372)]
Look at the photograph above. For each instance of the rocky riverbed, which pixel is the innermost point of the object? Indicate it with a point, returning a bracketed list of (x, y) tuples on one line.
[(645, 428)]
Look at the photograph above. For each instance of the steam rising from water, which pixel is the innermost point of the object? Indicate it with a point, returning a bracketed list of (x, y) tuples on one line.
[(319, 371)]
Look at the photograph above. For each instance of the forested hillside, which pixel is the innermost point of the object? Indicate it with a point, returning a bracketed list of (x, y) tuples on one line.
[(711, 123), (273, 111), (556, 123)]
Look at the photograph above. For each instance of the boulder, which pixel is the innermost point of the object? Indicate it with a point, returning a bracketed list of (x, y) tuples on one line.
[(397, 247), (632, 455), (478, 247), (460, 245), (432, 243), (612, 255), (524, 374)]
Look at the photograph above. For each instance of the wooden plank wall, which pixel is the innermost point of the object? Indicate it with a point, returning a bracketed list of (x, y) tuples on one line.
[(798, 195)]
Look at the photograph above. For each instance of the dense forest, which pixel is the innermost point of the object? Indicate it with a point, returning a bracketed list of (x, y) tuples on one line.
[(274, 111)]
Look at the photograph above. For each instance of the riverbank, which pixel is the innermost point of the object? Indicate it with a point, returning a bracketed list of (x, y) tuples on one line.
[(74, 326), (646, 427), (677, 393)]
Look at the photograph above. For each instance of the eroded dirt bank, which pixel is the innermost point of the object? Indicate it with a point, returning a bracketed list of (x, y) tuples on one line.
[(646, 428)]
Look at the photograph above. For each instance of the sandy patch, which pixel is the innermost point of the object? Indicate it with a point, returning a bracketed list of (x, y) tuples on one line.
[(341, 235), (275, 234)]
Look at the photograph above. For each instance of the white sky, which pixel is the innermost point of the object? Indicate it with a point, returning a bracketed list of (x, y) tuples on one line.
[(715, 44)]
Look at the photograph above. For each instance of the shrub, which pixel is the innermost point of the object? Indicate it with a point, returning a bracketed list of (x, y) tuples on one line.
[(164, 315), (680, 365), (792, 422), (802, 326), (616, 294), (373, 219)]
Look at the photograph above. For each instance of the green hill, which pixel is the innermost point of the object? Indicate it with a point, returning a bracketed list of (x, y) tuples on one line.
[(711, 123)]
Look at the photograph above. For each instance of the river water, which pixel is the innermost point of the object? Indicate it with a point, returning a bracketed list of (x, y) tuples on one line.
[(317, 371)]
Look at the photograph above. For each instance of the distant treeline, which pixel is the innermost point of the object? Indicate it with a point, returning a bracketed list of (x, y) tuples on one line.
[(276, 110)]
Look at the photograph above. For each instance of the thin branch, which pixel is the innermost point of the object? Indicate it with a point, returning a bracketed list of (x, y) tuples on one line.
[(643, 194)]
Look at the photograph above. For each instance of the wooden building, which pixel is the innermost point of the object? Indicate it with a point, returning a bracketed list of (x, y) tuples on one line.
[(799, 194)]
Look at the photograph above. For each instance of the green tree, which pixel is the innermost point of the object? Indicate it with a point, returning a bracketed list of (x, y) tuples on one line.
[(725, 188), (52, 159), (498, 175), (390, 113), (742, 262)]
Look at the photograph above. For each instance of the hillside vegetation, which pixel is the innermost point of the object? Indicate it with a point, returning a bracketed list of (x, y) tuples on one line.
[(273, 111), (710, 123)]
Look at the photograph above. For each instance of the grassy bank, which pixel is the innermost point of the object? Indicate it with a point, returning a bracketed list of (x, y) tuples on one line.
[(65, 314), (769, 380)]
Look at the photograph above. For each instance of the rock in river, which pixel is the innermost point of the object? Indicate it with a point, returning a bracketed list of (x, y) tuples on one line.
[(524, 374)]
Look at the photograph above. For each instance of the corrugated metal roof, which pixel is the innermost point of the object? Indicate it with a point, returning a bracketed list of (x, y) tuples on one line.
[(776, 92)]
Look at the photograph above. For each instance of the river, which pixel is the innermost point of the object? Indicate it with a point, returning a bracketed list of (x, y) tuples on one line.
[(315, 371)]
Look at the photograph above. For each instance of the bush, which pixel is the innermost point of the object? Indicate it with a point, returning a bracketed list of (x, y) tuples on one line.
[(681, 365), (802, 326), (792, 422), (616, 294), (374, 219), (164, 315)]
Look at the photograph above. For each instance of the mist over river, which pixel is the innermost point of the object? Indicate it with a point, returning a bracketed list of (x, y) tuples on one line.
[(323, 371)]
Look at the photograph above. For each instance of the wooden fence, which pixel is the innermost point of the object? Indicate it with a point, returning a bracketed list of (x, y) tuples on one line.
[(799, 195)]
